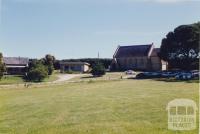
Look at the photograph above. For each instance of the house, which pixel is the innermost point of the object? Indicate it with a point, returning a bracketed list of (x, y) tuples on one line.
[(138, 57), (16, 65), (81, 67)]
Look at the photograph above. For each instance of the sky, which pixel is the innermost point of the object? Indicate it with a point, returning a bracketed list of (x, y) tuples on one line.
[(82, 28)]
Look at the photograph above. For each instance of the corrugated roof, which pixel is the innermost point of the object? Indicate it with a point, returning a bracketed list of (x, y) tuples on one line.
[(134, 50), (74, 63), (15, 60)]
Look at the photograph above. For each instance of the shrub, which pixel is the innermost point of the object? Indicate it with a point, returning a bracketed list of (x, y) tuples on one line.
[(2, 70), (38, 73), (50, 69), (2, 66), (98, 70)]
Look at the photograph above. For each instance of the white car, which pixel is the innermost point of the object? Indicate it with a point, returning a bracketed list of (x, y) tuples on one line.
[(130, 72)]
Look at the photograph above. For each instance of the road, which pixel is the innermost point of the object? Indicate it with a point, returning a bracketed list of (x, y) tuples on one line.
[(66, 77)]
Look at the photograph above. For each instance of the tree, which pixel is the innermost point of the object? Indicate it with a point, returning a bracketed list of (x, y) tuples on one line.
[(2, 66), (180, 48), (98, 70), (49, 61), (56, 65), (37, 73)]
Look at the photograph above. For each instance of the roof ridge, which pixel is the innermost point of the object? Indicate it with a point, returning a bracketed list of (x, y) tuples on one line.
[(17, 57), (136, 45)]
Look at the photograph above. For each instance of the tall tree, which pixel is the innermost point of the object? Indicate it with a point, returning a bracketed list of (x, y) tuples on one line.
[(180, 48), (49, 61)]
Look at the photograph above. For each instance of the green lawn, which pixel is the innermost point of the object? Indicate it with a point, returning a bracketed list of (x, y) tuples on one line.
[(108, 76), (15, 79), (11, 80), (112, 107)]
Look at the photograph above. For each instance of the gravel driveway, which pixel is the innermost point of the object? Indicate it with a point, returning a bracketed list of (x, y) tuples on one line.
[(66, 77)]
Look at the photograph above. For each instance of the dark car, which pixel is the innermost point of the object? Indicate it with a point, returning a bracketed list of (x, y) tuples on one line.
[(169, 74), (148, 75), (195, 73), (184, 76)]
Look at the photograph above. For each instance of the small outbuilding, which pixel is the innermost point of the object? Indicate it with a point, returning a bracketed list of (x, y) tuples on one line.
[(16, 65), (81, 67)]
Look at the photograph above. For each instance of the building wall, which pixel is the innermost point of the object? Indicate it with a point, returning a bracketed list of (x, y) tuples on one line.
[(15, 71), (137, 63), (76, 68), (141, 63), (86, 68), (156, 63)]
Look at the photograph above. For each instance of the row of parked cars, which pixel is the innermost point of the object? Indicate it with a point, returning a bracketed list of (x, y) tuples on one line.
[(178, 74)]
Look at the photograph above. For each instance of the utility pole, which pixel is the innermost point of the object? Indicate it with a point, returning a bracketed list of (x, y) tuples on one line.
[(98, 55), (98, 58)]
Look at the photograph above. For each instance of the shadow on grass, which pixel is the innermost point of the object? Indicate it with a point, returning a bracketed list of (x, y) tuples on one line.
[(175, 80), (87, 77), (168, 80)]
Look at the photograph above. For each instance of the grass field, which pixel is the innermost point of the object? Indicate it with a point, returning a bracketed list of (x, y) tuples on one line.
[(108, 76), (112, 107), (15, 79)]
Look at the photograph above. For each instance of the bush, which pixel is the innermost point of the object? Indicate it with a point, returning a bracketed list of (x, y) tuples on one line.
[(2, 70), (98, 70), (50, 69), (38, 73), (2, 66)]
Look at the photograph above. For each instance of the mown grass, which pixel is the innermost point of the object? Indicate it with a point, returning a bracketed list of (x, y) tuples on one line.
[(112, 107), (107, 76), (16, 79)]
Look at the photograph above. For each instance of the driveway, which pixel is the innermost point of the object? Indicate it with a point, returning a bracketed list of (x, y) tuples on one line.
[(66, 77)]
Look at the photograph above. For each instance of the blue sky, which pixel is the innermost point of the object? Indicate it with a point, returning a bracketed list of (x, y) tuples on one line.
[(82, 28)]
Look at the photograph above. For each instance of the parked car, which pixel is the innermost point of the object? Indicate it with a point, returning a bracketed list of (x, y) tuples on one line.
[(184, 76), (141, 76), (195, 73), (148, 75), (169, 74), (130, 72)]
